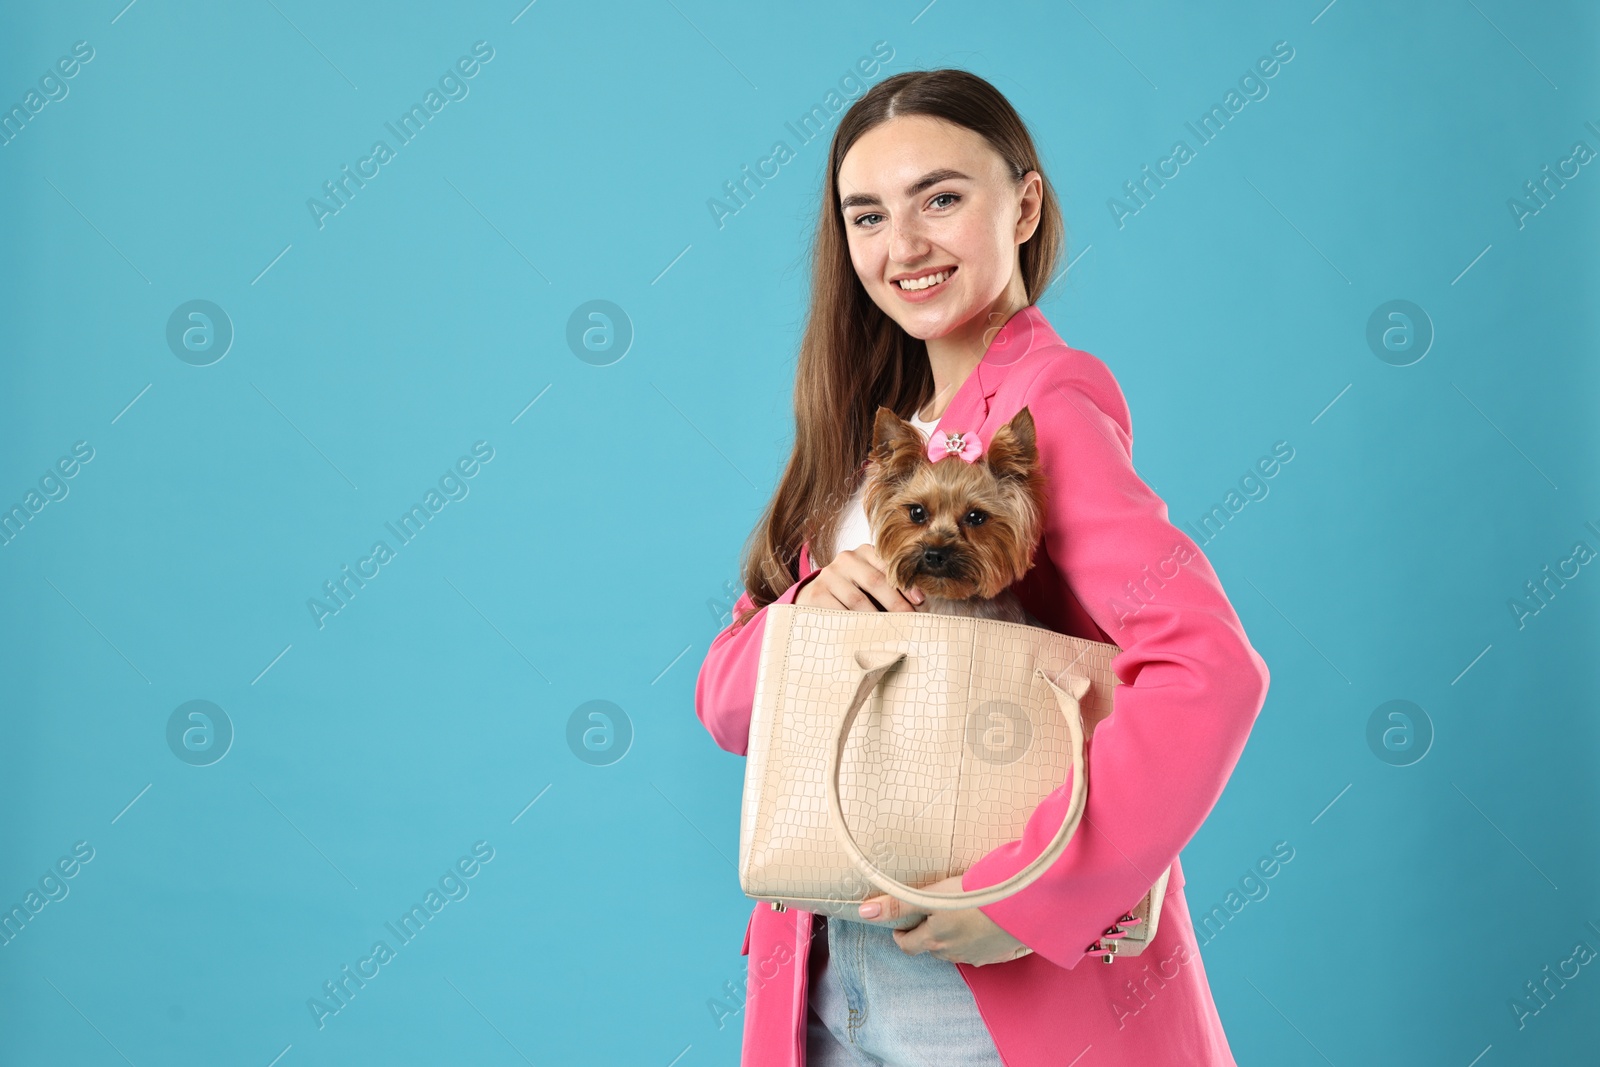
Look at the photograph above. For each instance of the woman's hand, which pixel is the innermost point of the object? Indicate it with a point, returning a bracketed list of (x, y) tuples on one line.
[(964, 935), (855, 581)]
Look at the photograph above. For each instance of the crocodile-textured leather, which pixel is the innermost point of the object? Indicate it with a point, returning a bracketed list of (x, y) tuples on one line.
[(964, 725), (986, 789)]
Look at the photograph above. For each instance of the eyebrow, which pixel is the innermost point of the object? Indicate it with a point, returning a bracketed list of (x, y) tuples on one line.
[(933, 177)]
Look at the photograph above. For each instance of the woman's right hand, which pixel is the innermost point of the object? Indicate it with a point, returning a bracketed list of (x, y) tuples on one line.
[(856, 581)]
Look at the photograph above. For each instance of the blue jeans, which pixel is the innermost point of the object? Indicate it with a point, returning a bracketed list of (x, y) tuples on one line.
[(874, 1006)]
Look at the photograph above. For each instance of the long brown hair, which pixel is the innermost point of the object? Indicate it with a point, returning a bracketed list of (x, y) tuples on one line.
[(853, 357)]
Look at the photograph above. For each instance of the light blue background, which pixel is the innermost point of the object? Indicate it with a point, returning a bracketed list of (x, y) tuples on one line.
[(595, 556)]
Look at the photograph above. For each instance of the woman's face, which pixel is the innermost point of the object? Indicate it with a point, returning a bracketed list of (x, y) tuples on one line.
[(922, 198)]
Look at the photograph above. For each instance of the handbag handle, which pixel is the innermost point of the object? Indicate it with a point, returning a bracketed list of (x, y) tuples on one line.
[(1068, 699)]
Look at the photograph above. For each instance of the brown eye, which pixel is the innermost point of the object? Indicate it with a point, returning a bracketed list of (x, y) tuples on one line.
[(976, 517), (917, 513)]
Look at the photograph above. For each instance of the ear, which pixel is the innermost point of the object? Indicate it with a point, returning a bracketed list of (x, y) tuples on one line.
[(896, 445), (1013, 451)]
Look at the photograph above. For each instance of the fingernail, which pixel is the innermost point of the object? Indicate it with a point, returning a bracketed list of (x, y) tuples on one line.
[(870, 911), (916, 596)]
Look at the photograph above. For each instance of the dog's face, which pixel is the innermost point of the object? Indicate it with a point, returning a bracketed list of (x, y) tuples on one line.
[(951, 528)]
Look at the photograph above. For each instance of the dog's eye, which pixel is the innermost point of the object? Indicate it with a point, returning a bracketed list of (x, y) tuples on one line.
[(976, 517), (918, 513)]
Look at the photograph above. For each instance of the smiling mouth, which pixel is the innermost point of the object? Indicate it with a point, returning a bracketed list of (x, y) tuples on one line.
[(916, 285)]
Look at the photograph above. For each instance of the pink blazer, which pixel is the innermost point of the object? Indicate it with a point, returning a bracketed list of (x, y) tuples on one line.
[(1112, 567)]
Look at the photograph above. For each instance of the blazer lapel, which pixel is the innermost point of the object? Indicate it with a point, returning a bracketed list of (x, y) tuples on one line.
[(968, 410)]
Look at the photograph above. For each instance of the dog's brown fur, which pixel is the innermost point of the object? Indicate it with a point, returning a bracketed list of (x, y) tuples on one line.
[(963, 567)]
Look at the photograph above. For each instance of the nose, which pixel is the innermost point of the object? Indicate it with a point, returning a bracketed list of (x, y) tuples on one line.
[(935, 556), (907, 245)]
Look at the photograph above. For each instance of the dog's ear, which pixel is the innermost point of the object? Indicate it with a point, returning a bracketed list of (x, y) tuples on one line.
[(1013, 451), (896, 445)]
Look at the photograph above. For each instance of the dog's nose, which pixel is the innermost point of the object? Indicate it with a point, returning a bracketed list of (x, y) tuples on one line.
[(935, 556)]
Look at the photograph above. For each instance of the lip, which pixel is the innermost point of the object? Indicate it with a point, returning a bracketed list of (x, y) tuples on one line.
[(923, 295)]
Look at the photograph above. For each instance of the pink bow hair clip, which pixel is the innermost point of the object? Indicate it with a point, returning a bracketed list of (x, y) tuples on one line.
[(967, 445)]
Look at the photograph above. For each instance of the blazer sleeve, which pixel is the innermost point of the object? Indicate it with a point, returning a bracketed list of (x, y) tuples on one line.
[(726, 688), (1190, 683)]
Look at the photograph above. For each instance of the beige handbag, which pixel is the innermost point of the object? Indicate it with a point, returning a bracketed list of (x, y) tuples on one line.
[(966, 724)]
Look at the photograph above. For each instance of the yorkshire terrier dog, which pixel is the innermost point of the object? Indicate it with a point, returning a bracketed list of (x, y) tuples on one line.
[(957, 517)]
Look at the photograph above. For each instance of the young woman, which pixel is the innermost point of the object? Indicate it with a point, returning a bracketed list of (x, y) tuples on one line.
[(937, 236)]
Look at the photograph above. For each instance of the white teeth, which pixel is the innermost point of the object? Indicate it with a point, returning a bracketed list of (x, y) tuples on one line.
[(923, 283)]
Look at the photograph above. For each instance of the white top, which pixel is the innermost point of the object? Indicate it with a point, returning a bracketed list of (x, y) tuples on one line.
[(853, 531)]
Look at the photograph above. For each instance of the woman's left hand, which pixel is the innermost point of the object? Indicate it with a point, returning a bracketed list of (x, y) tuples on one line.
[(964, 935)]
